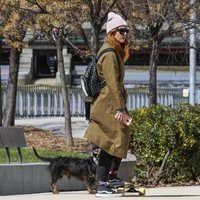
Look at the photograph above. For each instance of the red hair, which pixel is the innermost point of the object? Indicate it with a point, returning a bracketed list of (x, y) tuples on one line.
[(122, 48)]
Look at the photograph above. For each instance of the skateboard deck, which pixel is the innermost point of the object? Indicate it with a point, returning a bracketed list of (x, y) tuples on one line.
[(129, 189)]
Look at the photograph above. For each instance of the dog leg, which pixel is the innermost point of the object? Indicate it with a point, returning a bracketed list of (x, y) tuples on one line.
[(90, 184), (90, 190), (54, 188)]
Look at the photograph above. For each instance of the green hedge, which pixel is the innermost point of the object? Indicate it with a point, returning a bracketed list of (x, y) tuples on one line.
[(166, 142)]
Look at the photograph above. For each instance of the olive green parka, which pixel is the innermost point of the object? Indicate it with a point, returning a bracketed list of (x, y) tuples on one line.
[(107, 133)]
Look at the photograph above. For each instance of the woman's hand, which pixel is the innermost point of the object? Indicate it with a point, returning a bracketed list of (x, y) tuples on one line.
[(123, 117)]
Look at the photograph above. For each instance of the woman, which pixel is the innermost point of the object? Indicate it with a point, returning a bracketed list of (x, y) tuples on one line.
[(108, 111)]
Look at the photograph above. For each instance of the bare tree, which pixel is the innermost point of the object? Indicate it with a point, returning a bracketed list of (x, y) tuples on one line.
[(13, 23), (95, 14), (54, 22), (155, 21)]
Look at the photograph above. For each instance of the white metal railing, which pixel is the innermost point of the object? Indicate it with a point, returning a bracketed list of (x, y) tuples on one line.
[(36, 101)]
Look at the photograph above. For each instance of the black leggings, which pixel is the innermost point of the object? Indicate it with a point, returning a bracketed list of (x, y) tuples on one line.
[(87, 110), (106, 163)]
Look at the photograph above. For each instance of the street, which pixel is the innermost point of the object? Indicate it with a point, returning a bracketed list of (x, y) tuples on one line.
[(162, 193)]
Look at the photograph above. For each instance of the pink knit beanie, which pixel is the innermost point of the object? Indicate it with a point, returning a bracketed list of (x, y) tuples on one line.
[(114, 21)]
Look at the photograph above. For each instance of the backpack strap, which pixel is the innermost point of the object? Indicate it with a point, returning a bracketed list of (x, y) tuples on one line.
[(103, 83), (104, 51)]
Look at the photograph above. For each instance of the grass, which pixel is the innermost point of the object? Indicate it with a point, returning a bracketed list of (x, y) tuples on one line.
[(29, 157)]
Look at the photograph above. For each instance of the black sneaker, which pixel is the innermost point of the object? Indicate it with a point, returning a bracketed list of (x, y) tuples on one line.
[(106, 191), (115, 183)]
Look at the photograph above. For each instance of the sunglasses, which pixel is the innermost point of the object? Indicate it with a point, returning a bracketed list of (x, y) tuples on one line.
[(122, 31)]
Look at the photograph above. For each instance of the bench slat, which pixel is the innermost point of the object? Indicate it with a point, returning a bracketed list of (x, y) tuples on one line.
[(12, 137)]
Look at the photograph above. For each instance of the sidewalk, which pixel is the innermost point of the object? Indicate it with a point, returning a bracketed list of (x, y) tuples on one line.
[(164, 193), (55, 124)]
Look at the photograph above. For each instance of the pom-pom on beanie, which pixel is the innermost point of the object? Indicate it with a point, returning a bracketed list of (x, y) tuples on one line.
[(114, 21)]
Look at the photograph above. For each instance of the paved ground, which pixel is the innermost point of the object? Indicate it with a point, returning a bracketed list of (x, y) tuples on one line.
[(172, 193), (55, 124)]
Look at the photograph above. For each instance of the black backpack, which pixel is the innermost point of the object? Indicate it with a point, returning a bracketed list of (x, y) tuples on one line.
[(90, 83)]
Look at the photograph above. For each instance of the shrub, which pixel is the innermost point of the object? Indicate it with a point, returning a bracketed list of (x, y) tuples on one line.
[(166, 142)]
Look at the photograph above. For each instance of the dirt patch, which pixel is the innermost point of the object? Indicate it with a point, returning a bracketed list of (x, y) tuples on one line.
[(44, 139)]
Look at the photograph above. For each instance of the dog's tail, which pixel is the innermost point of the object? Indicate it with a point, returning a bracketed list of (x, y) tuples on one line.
[(41, 157)]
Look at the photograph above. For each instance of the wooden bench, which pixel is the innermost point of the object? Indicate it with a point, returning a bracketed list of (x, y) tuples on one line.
[(12, 137)]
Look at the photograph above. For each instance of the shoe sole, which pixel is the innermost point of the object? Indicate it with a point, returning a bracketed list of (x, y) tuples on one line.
[(109, 195)]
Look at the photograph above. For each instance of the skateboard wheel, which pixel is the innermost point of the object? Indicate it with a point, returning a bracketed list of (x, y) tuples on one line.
[(141, 191), (120, 190)]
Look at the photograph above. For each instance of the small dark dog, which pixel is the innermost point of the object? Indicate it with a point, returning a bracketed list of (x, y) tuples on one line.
[(82, 169)]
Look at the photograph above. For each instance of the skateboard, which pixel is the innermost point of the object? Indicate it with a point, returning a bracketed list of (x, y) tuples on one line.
[(129, 189)]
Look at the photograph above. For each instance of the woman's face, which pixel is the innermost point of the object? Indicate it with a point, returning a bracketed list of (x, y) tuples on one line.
[(121, 34)]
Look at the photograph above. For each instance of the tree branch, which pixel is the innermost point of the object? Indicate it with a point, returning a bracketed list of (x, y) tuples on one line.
[(160, 173)]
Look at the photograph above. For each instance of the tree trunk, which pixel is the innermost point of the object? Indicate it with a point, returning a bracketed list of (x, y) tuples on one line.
[(67, 114), (1, 104), (153, 74), (1, 114), (95, 41), (9, 117)]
